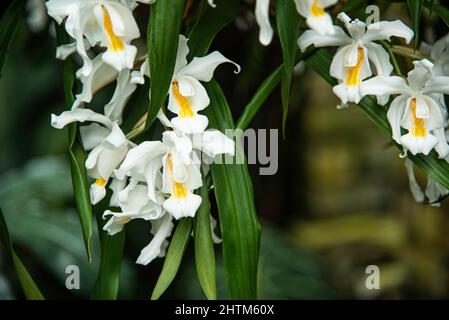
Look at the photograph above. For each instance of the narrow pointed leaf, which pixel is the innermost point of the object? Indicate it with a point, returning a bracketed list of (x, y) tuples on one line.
[(415, 8), (440, 10), (77, 155), (178, 245), (204, 246), (27, 283), (262, 93), (437, 169), (8, 27), (264, 90), (239, 225), (163, 37), (108, 278), (210, 23), (288, 21)]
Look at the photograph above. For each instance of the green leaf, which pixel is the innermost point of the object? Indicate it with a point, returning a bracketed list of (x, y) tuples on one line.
[(178, 245), (210, 23), (77, 155), (233, 189), (264, 91), (437, 169), (163, 37), (288, 22), (415, 8), (439, 9), (204, 246), (8, 27), (108, 278), (27, 283)]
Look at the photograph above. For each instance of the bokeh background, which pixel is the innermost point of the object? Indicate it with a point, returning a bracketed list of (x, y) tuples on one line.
[(339, 202)]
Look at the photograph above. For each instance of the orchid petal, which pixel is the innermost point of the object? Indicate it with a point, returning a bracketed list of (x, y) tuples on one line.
[(202, 68)]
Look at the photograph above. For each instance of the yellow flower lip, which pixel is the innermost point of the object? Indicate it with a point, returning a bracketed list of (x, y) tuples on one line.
[(418, 129), (316, 10), (115, 43), (179, 190), (353, 77), (185, 105), (101, 182)]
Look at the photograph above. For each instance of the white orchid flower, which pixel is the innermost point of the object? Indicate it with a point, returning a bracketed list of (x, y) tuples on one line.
[(181, 176), (262, 13), (103, 74), (316, 18), (211, 142), (434, 191), (107, 143), (180, 172), (134, 204), (416, 108), (439, 53), (350, 64), (161, 230), (37, 16), (187, 95), (138, 76), (106, 22), (143, 163)]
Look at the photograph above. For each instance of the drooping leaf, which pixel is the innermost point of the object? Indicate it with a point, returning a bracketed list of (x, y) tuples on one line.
[(8, 27), (178, 245), (210, 23), (108, 278), (437, 169), (77, 154), (439, 9), (288, 21), (27, 283), (264, 91), (162, 40), (239, 225), (204, 246), (415, 8)]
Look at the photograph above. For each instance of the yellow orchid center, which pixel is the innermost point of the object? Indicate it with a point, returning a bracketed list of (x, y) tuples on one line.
[(418, 129), (179, 191), (185, 106), (115, 43), (353, 75), (101, 182), (316, 10), (124, 219)]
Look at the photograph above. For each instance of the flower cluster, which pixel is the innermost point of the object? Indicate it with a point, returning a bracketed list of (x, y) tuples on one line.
[(417, 115), (153, 180)]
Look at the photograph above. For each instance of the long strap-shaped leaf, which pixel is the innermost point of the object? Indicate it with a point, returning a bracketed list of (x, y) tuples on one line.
[(77, 156), (288, 21), (210, 23), (108, 278), (29, 287), (204, 246), (415, 8), (233, 189), (439, 9), (163, 38), (8, 26), (437, 169), (178, 245), (264, 91)]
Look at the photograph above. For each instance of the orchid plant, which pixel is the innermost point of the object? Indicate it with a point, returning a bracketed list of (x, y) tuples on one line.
[(158, 167)]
